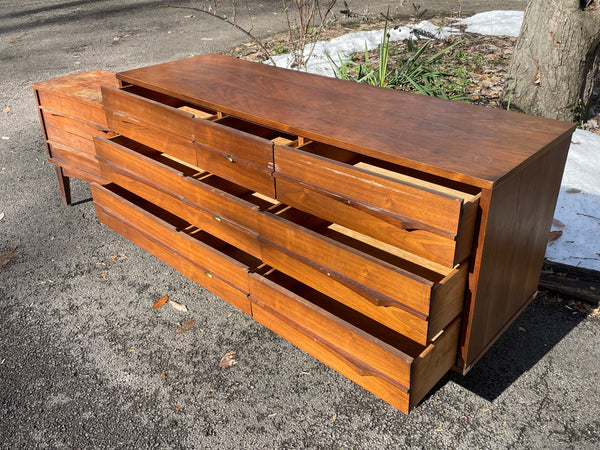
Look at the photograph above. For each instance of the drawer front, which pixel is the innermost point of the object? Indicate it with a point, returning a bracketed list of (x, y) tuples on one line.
[(371, 355), (159, 184), (89, 109), (238, 170), (213, 268), (237, 144), (348, 261), (402, 204), (433, 246), (146, 110), (72, 124), (152, 136), (224, 137), (70, 140), (387, 311), (74, 158)]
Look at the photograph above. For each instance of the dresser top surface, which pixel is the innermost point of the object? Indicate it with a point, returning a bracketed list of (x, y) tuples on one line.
[(467, 143), (84, 86)]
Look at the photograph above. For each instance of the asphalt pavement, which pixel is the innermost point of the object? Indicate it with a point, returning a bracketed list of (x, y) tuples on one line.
[(86, 363)]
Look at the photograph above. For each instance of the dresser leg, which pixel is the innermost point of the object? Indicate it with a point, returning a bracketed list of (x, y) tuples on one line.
[(64, 184)]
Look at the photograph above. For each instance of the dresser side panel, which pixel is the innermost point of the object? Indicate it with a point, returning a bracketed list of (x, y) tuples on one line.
[(515, 223)]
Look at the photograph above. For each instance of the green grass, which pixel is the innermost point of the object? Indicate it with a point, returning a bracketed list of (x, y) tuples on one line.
[(420, 73)]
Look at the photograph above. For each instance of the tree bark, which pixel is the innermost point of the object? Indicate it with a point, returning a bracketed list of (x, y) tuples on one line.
[(556, 58)]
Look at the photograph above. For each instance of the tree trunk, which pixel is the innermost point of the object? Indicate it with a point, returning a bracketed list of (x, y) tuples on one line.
[(554, 66)]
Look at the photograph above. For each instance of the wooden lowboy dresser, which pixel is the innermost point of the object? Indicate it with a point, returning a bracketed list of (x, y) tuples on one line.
[(393, 236)]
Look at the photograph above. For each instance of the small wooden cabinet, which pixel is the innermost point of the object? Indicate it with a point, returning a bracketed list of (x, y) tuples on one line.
[(71, 114), (393, 236)]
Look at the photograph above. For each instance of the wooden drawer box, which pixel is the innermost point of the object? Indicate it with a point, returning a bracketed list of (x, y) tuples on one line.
[(400, 293), (227, 210), (212, 263), (235, 149), (379, 359), (374, 197)]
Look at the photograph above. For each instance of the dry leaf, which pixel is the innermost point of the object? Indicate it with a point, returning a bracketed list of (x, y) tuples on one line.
[(6, 110), (163, 375), (178, 306), (227, 360), (1, 215), (576, 143), (7, 257), (185, 326), (573, 191), (272, 415), (160, 302), (521, 329), (557, 223), (554, 235)]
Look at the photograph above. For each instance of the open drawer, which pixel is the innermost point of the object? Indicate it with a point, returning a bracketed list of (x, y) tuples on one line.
[(222, 208), (375, 357), (209, 261), (227, 146), (383, 200), (334, 259)]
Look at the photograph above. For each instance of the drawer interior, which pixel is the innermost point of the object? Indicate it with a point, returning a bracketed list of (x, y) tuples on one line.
[(191, 108), (392, 171), (202, 112), (253, 128), (387, 253), (183, 226)]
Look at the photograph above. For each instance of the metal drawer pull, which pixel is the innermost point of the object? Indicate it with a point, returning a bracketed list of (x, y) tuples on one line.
[(217, 218), (208, 274), (229, 158)]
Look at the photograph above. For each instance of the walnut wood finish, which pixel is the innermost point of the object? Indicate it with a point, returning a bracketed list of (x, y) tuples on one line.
[(515, 224), (77, 95), (387, 248)]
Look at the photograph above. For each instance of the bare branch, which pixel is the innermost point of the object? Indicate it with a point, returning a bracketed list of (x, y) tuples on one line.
[(226, 20)]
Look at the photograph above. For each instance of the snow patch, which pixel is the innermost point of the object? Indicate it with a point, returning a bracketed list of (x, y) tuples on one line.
[(494, 23)]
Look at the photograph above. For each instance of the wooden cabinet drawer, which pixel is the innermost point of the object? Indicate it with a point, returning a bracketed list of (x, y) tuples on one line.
[(352, 260), (235, 137), (224, 209), (238, 170), (236, 149), (71, 124), (375, 357), (377, 198), (152, 136), (419, 327), (70, 140), (65, 155), (160, 111), (211, 262)]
